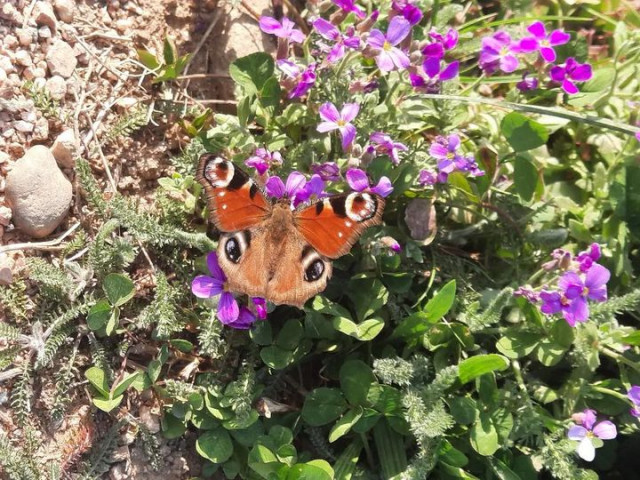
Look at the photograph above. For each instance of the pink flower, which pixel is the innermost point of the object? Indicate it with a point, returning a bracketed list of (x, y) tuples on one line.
[(349, 6), (389, 56), (385, 145), (359, 182), (587, 430), (281, 30), (262, 159), (334, 120), (498, 52), (330, 32), (569, 73), (540, 41), (441, 43), (299, 80)]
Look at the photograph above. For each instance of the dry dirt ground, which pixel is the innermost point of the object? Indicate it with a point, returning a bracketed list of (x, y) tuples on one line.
[(72, 102)]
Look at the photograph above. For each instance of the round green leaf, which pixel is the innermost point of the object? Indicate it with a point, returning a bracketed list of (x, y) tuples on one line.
[(215, 445), (118, 288), (474, 367), (522, 133), (322, 406), (484, 436), (356, 378), (99, 315)]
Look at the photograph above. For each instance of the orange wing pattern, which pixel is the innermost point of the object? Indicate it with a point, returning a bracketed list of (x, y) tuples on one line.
[(234, 200), (334, 224)]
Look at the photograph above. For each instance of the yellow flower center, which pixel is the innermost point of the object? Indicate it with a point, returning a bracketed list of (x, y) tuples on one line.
[(387, 46), (504, 51), (545, 43), (564, 300), (585, 291), (341, 123), (450, 155)]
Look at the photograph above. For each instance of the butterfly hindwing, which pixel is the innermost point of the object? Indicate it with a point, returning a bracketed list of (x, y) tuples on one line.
[(234, 200), (334, 224)]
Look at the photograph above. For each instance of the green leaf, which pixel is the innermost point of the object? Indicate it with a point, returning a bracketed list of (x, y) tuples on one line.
[(364, 331), (502, 471), (148, 59), (112, 323), (313, 470), (98, 378), (441, 303), (215, 445), (240, 422), (168, 51), (464, 410), (323, 406), (182, 345), (343, 425), (484, 436), (172, 427), (120, 388), (522, 133), (276, 357), (356, 378), (119, 288), (473, 367), (525, 177), (549, 353), (290, 335), (414, 325), (107, 404), (252, 72), (517, 344), (99, 315), (368, 295)]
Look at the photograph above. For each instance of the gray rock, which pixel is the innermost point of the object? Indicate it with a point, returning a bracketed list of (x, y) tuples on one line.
[(9, 12), (57, 87), (43, 13), (22, 126), (37, 192), (6, 266), (61, 59), (64, 149), (64, 9), (44, 32), (5, 215)]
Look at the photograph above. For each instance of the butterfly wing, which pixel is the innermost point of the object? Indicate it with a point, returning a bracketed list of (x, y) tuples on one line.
[(234, 200), (333, 225)]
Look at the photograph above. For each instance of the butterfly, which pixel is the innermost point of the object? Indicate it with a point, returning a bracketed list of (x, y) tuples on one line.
[(269, 250)]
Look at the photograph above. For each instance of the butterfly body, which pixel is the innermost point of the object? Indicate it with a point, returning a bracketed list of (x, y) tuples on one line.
[(267, 249)]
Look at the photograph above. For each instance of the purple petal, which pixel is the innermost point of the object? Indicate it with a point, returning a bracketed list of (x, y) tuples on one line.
[(228, 309), (290, 69), (260, 164), (398, 29), (327, 127), (275, 187), (509, 63), (450, 71), (491, 45), (597, 276), (296, 36), (559, 37), (550, 302), (431, 66), (352, 42), (577, 433), (454, 142), (588, 418), (433, 50), (244, 320), (586, 450), (528, 44), (379, 137), (576, 312), (417, 81), (383, 188), (261, 307), (384, 61), (315, 185), (357, 179), (537, 30), (326, 29), (451, 39), (349, 111), (557, 73), (571, 284), (400, 59), (214, 267), (295, 182), (634, 394), (329, 112), (412, 14), (581, 73), (204, 286), (336, 53), (270, 25), (605, 430), (438, 150), (569, 87), (548, 53), (376, 38), (348, 133)]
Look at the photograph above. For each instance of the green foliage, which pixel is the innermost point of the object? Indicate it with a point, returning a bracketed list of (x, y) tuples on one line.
[(42, 100), (17, 463), (126, 124), (165, 68)]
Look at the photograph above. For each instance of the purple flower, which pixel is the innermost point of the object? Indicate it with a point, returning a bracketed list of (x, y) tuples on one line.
[(329, 31), (392, 244), (441, 43), (386, 146), (408, 10), (363, 86), (299, 80), (312, 190), (527, 83), (389, 56), (276, 188), (260, 305), (540, 41), (445, 150), (588, 257), (358, 181), (571, 72), (334, 120), (281, 30), (204, 286), (349, 6), (634, 396), (587, 430), (328, 171), (561, 259), (427, 177), (498, 52), (436, 76), (262, 159), (527, 292)]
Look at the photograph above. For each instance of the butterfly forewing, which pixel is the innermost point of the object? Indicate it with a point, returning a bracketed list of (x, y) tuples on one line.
[(333, 225), (235, 201)]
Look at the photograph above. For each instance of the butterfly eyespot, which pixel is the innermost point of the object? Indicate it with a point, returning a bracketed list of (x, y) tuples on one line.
[(314, 271), (232, 250), (360, 207)]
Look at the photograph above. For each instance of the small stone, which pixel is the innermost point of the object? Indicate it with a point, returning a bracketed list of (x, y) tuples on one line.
[(38, 193), (9, 12), (4, 157), (5, 215), (44, 32), (10, 42), (118, 472), (149, 419), (39, 73), (64, 9), (120, 454), (420, 217), (57, 87), (64, 149), (6, 265), (6, 64), (26, 35), (23, 58), (41, 130), (8, 133), (124, 24), (43, 13), (3, 78), (22, 126), (29, 116), (61, 60)]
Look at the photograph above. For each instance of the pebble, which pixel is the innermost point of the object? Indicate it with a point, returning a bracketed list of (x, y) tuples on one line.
[(149, 419), (6, 265), (38, 193), (61, 59), (3, 77), (9, 12), (22, 126), (26, 35), (43, 13), (64, 149), (57, 87), (64, 9), (41, 130), (6, 64), (44, 32), (22, 57), (10, 42)]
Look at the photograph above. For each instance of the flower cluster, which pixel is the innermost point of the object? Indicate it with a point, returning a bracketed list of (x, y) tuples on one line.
[(581, 280), (590, 434), (450, 158), (501, 52)]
